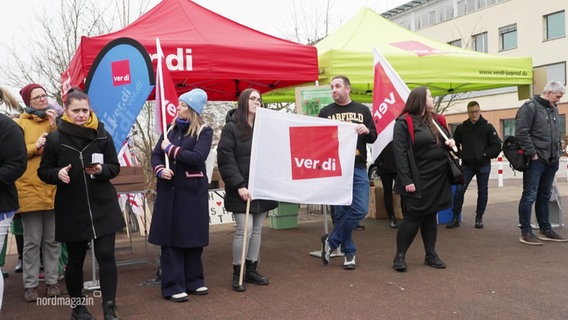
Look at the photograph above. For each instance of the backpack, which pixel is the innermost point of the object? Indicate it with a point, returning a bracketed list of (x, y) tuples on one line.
[(512, 149), (513, 152)]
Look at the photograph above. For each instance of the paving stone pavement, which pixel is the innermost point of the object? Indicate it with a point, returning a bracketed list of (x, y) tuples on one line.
[(489, 275)]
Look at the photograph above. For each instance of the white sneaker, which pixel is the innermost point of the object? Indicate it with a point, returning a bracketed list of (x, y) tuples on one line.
[(325, 248), (349, 262), (179, 297)]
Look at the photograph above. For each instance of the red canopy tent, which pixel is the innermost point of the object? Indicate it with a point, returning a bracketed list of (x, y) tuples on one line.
[(206, 50)]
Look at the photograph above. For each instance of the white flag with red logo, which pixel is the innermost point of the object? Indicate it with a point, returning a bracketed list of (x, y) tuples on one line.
[(166, 95), (389, 96), (302, 159)]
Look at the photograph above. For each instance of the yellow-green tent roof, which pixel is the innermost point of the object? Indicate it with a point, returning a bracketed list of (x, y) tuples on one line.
[(418, 60)]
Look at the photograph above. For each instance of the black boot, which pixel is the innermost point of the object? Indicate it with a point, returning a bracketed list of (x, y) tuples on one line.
[(80, 312), (236, 275), (479, 221), (454, 223), (252, 276), (399, 263), (109, 310)]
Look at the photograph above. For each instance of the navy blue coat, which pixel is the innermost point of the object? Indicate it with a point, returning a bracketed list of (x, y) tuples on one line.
[(181, 209)]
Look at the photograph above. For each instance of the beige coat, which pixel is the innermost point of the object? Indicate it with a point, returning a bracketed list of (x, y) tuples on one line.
[(34, 194)]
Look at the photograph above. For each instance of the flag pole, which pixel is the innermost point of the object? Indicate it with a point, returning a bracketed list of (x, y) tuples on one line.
[(444, 135), (244, 244), (160, 83)]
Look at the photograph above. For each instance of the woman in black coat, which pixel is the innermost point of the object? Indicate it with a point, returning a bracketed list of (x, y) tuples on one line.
[(422, 176), (233, 160), (180, 222), (80, 158)]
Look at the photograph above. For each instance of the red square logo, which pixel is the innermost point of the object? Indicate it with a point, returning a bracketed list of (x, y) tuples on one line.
[(120, 73), (314, 152), (419, 48)]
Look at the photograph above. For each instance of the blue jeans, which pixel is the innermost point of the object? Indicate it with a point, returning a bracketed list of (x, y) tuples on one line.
[(346, 218), (537, 190), (482, 174)]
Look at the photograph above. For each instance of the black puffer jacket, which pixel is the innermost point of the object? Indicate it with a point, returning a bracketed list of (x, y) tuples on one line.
[(233, 160), (13, 161), (478, 142), (87, 207)]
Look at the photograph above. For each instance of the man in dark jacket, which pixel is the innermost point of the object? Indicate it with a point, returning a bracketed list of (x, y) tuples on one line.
[(537, 127), (477, 143)]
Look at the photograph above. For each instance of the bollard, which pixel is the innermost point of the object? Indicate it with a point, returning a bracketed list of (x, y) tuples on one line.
[(500, 170)]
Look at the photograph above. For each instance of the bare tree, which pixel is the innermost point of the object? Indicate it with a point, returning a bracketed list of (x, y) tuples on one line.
[(53, 42)]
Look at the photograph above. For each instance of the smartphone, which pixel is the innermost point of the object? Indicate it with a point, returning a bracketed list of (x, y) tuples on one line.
[(92, 164)]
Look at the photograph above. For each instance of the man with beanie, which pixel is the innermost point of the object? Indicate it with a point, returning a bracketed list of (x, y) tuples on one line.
[(478, 143), (36, 197)]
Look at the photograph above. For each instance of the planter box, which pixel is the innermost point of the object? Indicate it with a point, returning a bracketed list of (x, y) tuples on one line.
[(283, 222), (286, 209)]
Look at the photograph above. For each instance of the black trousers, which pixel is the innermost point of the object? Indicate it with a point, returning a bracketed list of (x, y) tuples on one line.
[(409, 227), (104, 253)]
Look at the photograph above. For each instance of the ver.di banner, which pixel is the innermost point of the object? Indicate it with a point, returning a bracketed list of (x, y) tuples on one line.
[(118, 84)]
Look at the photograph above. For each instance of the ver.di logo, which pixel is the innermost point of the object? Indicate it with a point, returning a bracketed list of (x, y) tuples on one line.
[(314, 152)]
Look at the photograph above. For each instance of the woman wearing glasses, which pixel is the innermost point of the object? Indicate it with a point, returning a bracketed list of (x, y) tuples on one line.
[(37, 197), (233, 159)]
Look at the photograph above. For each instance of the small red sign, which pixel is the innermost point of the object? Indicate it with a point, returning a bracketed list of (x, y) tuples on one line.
[(121, 73), (314, 152)]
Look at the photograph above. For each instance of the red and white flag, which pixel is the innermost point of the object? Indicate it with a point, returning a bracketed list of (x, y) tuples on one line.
[(166, 94), (127, 159), (389, 96), (302, 159)]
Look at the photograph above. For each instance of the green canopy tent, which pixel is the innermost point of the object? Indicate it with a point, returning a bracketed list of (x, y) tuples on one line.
[(418, 60)]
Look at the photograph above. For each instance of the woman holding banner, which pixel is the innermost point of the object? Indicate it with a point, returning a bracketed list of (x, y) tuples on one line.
[(180, 222), (80, 158), (422, 164), (233, 160)]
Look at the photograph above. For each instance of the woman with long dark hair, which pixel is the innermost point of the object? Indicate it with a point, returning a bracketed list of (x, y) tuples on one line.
[(233, 160), (421, 159)]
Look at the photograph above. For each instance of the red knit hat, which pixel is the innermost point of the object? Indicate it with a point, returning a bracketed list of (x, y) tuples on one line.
[(27, 91)]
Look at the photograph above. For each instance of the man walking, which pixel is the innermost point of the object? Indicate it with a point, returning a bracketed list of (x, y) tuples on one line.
[(346, 218), (537, 129), (478, 143)]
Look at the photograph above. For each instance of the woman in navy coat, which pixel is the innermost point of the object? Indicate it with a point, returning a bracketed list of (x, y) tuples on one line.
[(180, 222)]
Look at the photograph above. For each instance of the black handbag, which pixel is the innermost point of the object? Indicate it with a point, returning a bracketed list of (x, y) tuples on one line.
[(455, 171)]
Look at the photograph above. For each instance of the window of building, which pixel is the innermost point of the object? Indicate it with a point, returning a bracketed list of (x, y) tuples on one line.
[(456, 43), (508, 126), (508, 37), (554, 25), (461, 8), (555, 71), (480, 42)]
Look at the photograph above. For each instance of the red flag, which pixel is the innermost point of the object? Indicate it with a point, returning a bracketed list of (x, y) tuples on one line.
[(166, 95), (389, 96)]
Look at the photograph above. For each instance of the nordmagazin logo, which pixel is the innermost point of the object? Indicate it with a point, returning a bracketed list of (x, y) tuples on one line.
[(314, 152), (121, 73)]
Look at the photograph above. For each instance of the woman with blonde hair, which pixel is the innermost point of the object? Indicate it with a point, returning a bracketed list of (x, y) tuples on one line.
[(180, 222)]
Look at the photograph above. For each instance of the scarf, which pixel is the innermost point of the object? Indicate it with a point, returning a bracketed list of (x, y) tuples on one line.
[(92, 123), (40, 113)]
